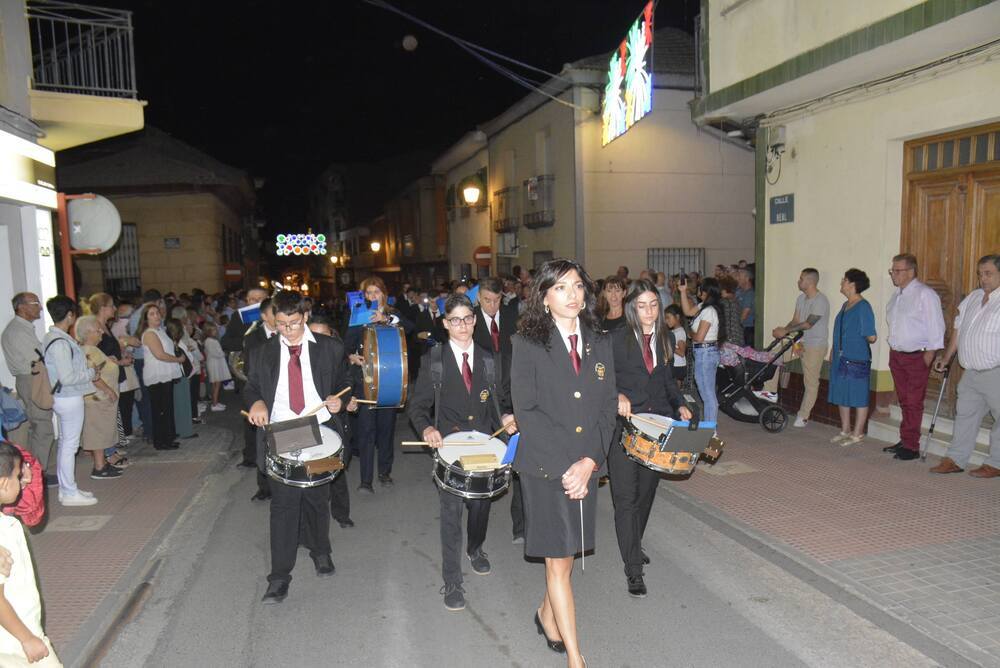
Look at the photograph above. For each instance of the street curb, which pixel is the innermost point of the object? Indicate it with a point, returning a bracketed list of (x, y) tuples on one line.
[(102, 626), (933, 641)]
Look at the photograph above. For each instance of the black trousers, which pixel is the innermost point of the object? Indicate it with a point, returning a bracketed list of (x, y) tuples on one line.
[(340, 498), (195, 392), (451, 532), (633, 488), (161, 400), (125, 402), (297, 515), (376, 430), (516, 505)]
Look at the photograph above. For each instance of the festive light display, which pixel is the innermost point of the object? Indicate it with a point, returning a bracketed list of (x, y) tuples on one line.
[(301, 244), (628, 95)]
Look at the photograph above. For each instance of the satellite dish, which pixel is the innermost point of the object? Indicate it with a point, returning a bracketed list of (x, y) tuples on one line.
[(94, 224)]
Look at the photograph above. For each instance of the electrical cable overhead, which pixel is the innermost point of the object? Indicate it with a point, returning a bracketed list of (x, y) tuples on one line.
[(482, 54)]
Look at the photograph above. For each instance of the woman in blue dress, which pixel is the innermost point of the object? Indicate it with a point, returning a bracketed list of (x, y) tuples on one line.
[(851, 357)]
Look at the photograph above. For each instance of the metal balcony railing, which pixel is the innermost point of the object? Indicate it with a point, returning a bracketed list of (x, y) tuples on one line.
[(81, 49)]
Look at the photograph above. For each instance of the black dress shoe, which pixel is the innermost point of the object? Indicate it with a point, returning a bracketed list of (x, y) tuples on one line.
[(276, 592), (906, 454), (247, 464), (554, 645), (324, 566), (893, 448), (261, 495), (346, 524), (645, 557), (636, 586)]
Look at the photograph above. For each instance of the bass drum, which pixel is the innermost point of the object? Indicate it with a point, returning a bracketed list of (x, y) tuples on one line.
[(386, 374)]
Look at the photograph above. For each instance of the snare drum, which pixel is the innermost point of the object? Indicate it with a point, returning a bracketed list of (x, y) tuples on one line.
[(385, 365), (451, 477), (647, 445), (309, 467)]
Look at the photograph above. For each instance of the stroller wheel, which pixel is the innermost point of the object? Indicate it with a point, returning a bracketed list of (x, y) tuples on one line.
[(773, 419)]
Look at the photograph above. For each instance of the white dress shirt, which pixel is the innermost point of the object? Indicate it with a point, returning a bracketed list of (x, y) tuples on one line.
[(565, 334), (281, 410), (978, 328), (916, 321), (457, 351)]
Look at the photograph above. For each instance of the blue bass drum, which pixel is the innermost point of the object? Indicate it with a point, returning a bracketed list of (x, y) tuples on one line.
[(385, 367)]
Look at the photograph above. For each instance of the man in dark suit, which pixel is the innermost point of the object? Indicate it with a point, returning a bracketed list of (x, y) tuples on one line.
[(495, 324), (256, 335), (232, 341), (289, 374), (465, 400)]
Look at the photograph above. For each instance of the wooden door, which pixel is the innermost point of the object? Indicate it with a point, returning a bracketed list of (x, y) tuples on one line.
[(935, 234)]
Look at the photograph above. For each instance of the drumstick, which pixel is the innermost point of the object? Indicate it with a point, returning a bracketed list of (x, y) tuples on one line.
[(498, 432), (365, 401), (459, 443), (583, 550)]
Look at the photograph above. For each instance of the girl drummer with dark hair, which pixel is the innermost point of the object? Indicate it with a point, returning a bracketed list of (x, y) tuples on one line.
[(455, 393), (375, 426), (565, 401), (643, 361)]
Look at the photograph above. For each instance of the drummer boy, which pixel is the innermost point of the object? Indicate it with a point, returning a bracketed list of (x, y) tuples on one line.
[(455, 378)]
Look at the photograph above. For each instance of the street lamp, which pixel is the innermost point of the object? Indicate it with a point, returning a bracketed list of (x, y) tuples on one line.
[(471, 193), (376, 246), (333, 259)]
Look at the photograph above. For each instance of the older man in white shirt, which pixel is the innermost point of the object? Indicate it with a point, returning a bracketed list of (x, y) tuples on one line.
[(977, 340), (916, 333)]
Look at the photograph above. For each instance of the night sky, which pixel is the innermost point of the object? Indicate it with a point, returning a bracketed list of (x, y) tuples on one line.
[(284, 89)]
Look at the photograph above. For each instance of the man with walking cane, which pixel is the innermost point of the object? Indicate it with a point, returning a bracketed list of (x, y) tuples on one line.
[(977, 340)]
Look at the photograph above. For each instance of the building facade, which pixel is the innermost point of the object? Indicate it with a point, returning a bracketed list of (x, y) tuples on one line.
[(879, 123), (46, 105), (664, 195)]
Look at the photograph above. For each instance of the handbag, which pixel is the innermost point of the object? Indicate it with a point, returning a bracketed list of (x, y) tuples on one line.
[(854, 369)]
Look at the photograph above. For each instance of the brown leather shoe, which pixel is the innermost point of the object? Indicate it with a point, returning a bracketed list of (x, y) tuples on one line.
[(947, 466), (985, 471)]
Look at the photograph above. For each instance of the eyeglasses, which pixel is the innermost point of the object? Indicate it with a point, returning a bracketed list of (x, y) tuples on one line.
[(899, 271), (455, 322), (289, 326)]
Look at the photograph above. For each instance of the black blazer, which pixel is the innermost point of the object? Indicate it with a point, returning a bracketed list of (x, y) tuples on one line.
[(326, 359), (649, 393), (251, 340), (562, 417), (508, 327), (459, 410)]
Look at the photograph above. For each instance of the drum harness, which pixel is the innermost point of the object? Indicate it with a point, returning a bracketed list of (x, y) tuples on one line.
[(437, 371)]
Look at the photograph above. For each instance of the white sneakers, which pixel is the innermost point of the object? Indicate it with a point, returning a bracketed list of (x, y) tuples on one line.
[(218, 408), (799, 422), (80, 498)]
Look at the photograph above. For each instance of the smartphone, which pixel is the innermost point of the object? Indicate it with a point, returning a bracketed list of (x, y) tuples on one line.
[(683, 278)]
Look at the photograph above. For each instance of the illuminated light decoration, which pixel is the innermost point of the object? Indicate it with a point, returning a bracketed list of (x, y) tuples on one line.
[(628, 95), (376, 246), (301, 244)]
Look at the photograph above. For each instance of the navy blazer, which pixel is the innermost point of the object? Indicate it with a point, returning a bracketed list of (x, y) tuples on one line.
[(562, 417)]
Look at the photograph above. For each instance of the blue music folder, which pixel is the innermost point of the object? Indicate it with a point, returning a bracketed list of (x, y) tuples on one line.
[(473, 294), (508, 456), (249, 314), (361, 315)]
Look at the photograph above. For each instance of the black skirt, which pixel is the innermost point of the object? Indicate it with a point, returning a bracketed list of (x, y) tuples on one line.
[(552, 519)]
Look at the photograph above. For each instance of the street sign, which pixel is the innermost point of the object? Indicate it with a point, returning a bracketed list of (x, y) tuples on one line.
[(783, 209), (482, 256)]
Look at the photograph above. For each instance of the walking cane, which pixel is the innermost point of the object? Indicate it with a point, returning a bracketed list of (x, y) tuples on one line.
[(937, 407)]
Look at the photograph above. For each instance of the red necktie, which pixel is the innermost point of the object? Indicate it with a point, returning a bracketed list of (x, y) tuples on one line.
[(495, 333), (466, 372), (573, 355), (647, 352), (296, 395)]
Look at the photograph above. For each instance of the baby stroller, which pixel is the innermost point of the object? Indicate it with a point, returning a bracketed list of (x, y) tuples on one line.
[(742, 376)]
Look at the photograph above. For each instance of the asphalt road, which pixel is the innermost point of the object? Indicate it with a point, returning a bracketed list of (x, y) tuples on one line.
[(712, 602)]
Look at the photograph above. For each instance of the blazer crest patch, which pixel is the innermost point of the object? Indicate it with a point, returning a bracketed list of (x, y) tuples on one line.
[(599, 369), (483, 396)]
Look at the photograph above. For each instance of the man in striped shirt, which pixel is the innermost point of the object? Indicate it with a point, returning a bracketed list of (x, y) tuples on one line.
[(977, 340)]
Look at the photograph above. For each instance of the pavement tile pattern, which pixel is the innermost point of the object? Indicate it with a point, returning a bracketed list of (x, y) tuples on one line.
[(926, 546), (81, 553)]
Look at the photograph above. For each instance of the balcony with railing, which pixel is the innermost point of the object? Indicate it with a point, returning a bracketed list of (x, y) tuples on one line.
[(83, 85)]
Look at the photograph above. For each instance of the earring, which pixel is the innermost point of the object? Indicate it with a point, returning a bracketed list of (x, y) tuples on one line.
[(546, 309)]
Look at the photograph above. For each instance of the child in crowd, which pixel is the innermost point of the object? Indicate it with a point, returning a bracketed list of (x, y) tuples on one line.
[(674, 319), (22, 640), (215, 361)]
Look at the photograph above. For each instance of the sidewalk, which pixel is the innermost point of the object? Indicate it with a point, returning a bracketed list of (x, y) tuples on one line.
[(86, 557), (923, 547)]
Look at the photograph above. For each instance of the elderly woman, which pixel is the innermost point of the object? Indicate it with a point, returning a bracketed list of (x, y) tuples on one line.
[(102, 307), (851, 357), (100, 421)]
